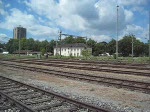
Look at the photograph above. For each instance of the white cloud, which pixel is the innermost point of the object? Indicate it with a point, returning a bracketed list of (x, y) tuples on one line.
[(2, 11), (136, 30), (2, 35), (28, 21), (85, 17), (132, 2), (129, 16), (47, 8), (100, 38), (75, 16), (3, 38), (17, 18), (8, 5)]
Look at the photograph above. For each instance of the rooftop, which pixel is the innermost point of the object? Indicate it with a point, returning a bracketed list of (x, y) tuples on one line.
[(73, 45)]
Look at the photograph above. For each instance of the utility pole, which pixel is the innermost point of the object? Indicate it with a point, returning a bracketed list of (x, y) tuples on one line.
[(60, 42), (117, 36), (19, 41), (56, 47), (149, 37), (132, 46)]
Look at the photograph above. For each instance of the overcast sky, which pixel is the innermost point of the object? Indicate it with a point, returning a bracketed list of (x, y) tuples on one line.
[(95, 19)]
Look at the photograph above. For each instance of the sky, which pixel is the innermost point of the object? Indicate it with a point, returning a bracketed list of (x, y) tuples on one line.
[(95, 19)]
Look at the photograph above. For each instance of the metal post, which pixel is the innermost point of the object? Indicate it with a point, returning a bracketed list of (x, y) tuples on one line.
[(117, 36), (149, 37), (56, 47), (19, 42), (132, 46), (60, 43)]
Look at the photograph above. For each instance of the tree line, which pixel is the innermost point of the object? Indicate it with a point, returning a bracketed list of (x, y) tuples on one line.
[(124, 45)]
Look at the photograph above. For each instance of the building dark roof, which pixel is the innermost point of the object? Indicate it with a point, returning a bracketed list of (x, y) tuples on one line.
[(21, 51), (73, 45)]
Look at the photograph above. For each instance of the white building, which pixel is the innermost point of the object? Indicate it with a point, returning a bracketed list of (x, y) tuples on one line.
[(71, 49)]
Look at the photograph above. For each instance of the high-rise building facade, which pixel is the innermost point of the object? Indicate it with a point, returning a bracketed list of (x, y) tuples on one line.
[(19, 32)]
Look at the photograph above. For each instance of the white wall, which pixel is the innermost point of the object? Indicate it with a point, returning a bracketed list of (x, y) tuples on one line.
[(65, 51)]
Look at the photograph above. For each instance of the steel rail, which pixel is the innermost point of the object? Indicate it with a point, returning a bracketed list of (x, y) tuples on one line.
[(69, 100), (86, 64), (20, 105), (133, 85), (88, 68)]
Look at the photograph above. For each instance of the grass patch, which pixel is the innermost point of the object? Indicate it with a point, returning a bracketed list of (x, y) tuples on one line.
[(136, 60)]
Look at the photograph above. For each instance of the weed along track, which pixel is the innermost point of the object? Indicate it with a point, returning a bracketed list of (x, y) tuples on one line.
[(22, 97), (119, 83)]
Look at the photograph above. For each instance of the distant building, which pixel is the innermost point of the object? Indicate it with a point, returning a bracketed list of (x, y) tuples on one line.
[(19, 32), (71, 49)]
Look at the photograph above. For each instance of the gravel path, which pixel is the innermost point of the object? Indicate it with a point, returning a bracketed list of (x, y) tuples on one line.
[(118, 100)]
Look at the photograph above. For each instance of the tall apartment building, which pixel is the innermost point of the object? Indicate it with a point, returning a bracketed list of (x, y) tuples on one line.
[(19, 32)]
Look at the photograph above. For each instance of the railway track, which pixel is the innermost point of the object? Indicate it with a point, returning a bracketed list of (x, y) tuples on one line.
[(119, 83), (21, 97), (91, 68)]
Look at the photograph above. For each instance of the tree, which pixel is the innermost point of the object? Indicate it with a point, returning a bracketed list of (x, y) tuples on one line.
[(43, 45), (36, 46), (99, 49), (51, 45), (43, 51), (111, 47), (146, 49), (1, 50), (23, 44), (86, 53), (1, 45), (80, 40), (30, 44), (138, 48), (68, 40), (125, 46), (91, 43), (12, 45)]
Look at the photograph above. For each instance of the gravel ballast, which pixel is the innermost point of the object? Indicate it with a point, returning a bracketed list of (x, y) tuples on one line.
[(119, 100)]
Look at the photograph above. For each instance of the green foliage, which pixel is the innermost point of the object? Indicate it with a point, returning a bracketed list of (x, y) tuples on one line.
[(12, 45), (71, 40), (1, 45), (43, 51), (23, 43), (86, 53), (125, 46), (91, 43), (112, 47), (114, 55), (68, 40), (80, 40), (1, 50), (99, 49), (146, 49), (30, 44)]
